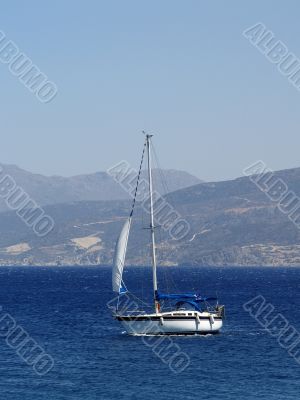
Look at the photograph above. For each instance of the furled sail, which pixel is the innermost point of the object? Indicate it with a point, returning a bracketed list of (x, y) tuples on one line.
[(119, 258)]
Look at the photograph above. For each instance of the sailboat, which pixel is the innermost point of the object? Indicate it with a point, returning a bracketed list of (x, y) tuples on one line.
[(190, 314)]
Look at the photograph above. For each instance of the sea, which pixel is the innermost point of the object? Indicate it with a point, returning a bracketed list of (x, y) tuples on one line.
[(64, 310)]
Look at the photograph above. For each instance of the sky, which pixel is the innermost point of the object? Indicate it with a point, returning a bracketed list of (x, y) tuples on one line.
[(181, 70)]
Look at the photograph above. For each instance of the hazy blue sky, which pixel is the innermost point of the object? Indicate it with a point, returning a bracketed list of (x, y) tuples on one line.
[(179, 69)]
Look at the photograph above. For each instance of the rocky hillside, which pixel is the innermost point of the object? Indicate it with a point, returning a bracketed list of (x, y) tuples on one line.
[(231, 223)]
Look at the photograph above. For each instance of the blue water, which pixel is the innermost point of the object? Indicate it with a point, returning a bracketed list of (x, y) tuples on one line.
[(64, 310)]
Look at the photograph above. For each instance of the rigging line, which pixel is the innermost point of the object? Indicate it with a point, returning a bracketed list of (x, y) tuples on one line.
[(137, 184), (138, 179), (160, 171), (168, 274)]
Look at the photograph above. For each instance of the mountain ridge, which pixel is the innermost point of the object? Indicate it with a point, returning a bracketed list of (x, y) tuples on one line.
[(231, 223), (47, 190)]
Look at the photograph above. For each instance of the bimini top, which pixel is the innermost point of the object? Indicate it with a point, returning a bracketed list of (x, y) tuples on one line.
[(197, 298)]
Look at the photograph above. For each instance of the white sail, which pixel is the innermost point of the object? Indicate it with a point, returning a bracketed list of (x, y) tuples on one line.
[(119, 258)]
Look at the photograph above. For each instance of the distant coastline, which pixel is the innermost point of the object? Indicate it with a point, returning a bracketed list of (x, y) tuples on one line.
[(232, 223)]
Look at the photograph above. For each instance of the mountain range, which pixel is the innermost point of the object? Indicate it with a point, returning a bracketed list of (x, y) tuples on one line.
[(89, 187), (231, 223)]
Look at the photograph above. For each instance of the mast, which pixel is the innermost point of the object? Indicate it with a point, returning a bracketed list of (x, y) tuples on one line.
[(152, 227)]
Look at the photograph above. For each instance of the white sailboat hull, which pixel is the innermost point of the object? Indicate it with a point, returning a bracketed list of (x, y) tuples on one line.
[(166, 324)]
